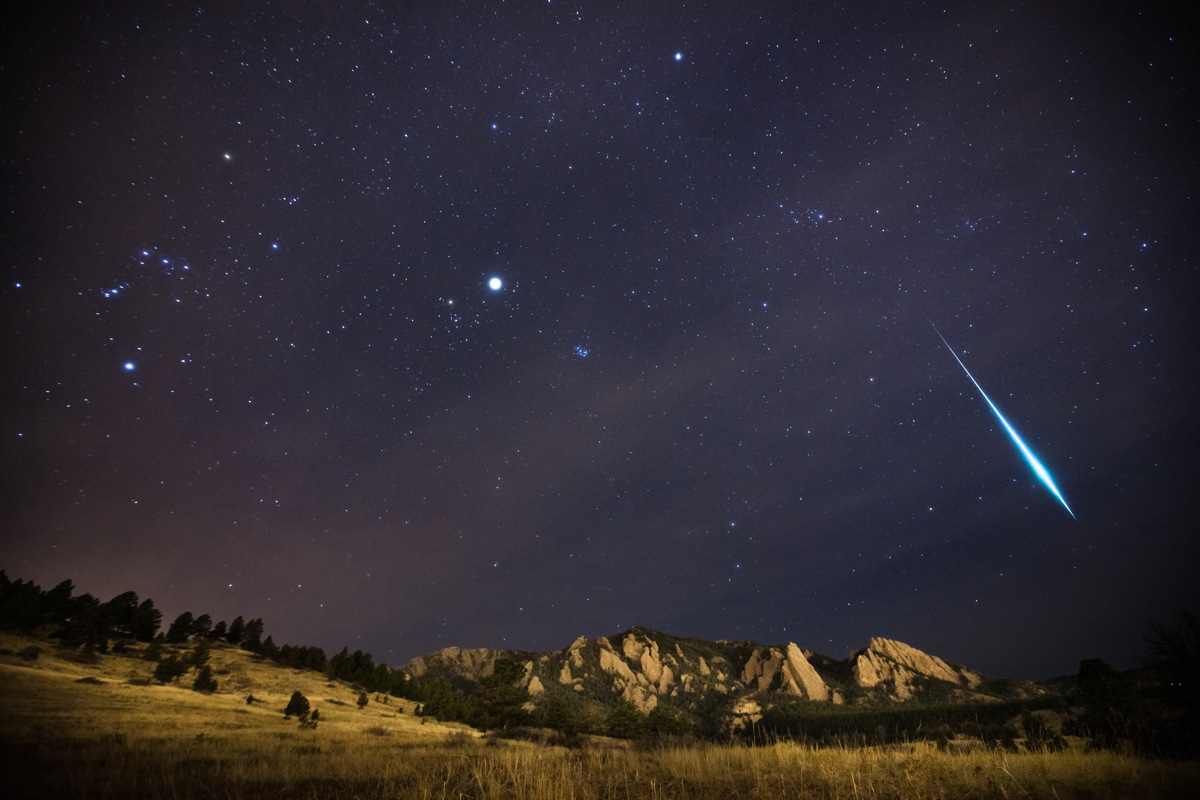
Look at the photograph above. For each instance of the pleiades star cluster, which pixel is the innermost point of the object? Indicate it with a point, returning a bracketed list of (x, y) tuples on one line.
[(494, 324)]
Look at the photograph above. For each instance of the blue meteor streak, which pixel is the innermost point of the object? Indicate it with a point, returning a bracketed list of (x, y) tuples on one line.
[(1038, 468)]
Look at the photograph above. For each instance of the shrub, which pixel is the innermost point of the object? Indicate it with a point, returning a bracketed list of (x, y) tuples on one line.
[(297, 706)]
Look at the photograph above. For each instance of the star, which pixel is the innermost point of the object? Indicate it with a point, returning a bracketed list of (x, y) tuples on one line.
[(495, 283)]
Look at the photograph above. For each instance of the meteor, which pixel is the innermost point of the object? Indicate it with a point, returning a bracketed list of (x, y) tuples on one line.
[(1038, 468)]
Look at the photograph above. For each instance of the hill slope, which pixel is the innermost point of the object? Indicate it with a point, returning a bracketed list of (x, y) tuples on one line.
[(49, 693)]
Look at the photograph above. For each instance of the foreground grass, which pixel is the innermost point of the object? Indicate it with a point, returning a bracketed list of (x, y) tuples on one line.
[(304, 765), (91, 730)]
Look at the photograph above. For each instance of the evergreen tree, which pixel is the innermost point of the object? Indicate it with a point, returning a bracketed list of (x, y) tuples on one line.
[(297, 706), (202, 626), (339, 665), (146, 621), (156, 648), (181, 628), (85, 627), (560, 714), (314, 659), (236, 629), (666, 721), (625, 720), (269, 649), (497, 701), (252, 635), (56, 604), (169, 669), (20, 604), (205, 682), (119, 615), (199, 657), (362, 700), (218, 633)]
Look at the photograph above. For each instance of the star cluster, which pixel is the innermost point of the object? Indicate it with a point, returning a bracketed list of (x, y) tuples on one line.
[(495, 324)]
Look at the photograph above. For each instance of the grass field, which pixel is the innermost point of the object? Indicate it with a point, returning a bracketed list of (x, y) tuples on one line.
[(93, 730)]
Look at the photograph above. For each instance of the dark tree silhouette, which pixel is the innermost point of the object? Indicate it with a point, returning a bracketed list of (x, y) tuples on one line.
[(297, 706), (205, 682), (236, 629), (181, 628)]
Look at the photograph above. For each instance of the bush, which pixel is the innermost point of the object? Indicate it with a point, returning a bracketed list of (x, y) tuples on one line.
[(297, 706)]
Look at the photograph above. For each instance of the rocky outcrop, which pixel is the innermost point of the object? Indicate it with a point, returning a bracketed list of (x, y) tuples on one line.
[(648, 668), (470, 664), (786, 671), (900, 671)]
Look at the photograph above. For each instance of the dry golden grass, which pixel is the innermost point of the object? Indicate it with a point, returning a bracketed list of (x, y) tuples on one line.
[(62, 738)]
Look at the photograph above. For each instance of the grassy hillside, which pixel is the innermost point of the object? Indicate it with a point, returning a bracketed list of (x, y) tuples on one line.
[(95, 727)]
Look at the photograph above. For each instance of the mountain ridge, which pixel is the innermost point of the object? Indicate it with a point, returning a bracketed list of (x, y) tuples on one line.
[(648, 667)]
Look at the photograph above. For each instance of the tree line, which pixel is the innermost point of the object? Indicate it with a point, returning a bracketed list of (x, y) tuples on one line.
[(85, 622)]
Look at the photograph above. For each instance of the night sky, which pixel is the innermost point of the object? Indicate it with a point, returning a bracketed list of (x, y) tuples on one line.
[(496, 324)]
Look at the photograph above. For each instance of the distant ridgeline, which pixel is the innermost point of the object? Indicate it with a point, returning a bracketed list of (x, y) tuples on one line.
[(643, 683), (83, 621)]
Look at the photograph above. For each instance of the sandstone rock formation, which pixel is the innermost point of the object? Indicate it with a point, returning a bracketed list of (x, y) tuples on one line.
[(899, 669), (647, 668)]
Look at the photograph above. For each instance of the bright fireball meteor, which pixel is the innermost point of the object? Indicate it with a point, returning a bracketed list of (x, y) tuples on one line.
[(1038, 468)]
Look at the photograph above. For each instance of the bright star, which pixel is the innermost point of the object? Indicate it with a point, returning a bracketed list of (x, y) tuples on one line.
[(679, 56), (130, 366), (495, 284)]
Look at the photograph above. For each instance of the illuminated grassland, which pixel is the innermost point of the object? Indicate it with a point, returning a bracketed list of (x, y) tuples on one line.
[(120, 739)]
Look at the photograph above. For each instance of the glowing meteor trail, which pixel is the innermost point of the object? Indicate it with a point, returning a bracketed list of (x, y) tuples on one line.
[(1038, 468)]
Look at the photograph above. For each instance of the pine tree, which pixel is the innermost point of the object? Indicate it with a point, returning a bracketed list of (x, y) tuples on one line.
[(181, 628), (146, 621), (205, 682), (169, 669), (297, 706), (56, 603), (236, 629), (252, 635), (362, 700), (119, 615), (202, 626), (199, 657), (156, 648), (625, 720)]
